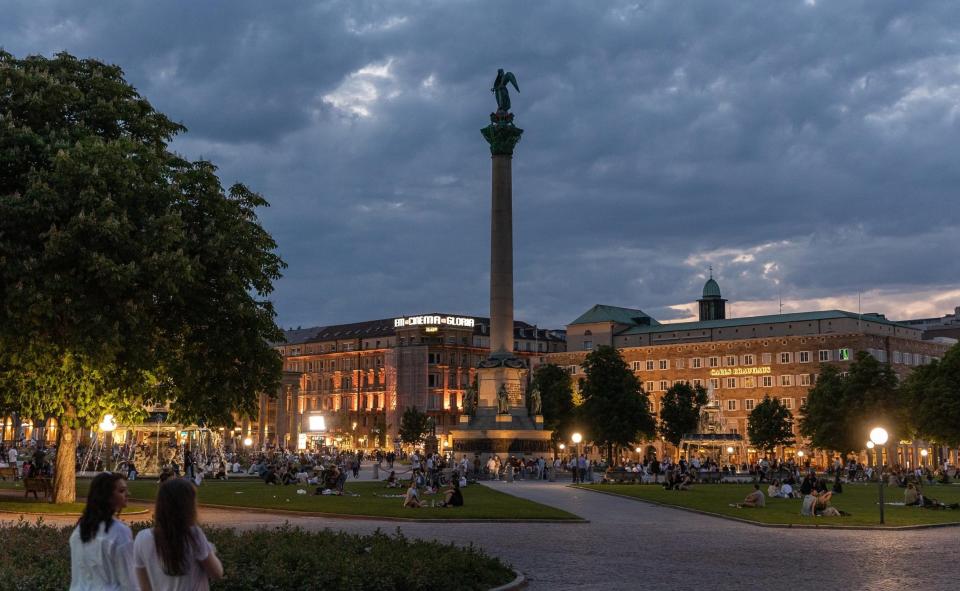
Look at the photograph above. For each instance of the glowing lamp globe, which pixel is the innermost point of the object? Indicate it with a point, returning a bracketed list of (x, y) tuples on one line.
[(576, 438), (870, 445), (879, 436)]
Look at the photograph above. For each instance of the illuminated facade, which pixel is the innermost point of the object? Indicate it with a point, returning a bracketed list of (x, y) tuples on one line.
[(743, 360), (349, 384)]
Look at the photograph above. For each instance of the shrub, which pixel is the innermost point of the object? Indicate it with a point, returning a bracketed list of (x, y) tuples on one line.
[(35, 557)]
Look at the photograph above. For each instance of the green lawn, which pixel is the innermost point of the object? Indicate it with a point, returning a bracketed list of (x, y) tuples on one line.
[(860, 500), (480, 502)]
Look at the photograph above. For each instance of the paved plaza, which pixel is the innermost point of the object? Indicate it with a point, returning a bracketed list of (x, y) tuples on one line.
[(629, 545)]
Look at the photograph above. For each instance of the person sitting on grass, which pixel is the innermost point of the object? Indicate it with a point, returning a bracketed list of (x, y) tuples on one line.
[(452, 497), (412, 500), (754, 500), (687, 482), (773, 491), (786, 491), (392, 481), (913, 496)]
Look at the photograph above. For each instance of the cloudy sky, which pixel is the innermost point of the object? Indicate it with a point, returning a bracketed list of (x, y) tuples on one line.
[(806, 149)]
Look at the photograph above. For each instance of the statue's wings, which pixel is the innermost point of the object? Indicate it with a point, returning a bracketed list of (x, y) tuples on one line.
[(509, 78)]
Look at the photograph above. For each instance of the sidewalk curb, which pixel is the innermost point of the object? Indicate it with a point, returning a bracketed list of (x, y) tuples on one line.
[(775, 525)]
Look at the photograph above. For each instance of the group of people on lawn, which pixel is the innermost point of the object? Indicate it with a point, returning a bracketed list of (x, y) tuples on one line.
[(816, 497)]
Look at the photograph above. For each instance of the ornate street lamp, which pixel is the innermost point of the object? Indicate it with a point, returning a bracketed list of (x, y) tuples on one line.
[(107, 426), (879, 436)]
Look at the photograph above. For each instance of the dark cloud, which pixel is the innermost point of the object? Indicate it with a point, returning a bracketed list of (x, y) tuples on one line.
[(802, 148)]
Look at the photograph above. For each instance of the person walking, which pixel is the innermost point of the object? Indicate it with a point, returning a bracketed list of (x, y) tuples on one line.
[(101, 547), (174, 555)]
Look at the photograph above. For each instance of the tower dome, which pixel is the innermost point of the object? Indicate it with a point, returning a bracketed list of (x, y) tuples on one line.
[(712, 305), (711, 289)]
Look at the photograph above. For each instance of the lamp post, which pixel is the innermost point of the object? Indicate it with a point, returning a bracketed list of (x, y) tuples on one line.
[(577, 438), (879, 436), (107, 426), (923, 454), (800, 455)]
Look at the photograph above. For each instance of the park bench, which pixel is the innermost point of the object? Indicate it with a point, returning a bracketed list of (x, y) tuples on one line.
[(622, 476), (8, 472), (37, 485), (709, 476)]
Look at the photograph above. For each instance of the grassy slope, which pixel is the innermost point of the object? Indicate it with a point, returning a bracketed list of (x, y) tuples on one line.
[(858, 499)]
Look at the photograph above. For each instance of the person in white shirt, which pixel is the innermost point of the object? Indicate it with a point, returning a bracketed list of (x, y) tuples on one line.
[(174, 555), (101, 547)]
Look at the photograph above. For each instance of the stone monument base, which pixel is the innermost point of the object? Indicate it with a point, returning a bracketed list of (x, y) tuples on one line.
[(514, 434)]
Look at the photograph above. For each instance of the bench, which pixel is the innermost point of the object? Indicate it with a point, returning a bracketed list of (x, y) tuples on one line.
[(709, 476), (622, 476), (38, 485), (8, 472)]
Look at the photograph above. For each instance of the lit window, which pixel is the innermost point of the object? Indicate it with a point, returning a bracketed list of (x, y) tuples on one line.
[(748, 382), (843, 354)]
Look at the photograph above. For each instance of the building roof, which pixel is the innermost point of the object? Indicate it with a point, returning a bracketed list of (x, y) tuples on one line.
[(711, 289), (616, 314), (771, 319)]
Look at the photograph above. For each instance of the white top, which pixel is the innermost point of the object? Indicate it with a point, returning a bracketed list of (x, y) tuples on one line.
[(12, 455), (145, 556), (105, 563)]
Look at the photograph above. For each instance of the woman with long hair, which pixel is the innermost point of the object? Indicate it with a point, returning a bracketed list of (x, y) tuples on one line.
[(174, 554), (101, 547)]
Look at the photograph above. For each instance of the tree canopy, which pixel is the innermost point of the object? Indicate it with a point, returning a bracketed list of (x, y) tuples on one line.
[(413, 425), (615, 410), (841, 409), (556, 391), (770, 424), (932, 392), (680, 411), (128, 274)]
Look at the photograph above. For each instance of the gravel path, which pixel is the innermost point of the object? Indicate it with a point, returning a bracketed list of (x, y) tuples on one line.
[(631, 545)]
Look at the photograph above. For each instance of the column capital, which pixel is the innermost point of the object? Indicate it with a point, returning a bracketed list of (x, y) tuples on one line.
[(501, 134)]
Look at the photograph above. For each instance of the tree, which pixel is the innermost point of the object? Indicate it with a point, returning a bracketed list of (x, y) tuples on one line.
[(615, 410), (127, 274), (413, 425), (556, 391), (770, 424), (680, 411), (932, 393), (841, 409)]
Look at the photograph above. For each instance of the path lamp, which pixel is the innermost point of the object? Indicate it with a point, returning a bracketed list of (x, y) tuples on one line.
[(638, 450), (577, 438), (247, 441), (923, 454), (107, 426), (879, 436), (800, 455)]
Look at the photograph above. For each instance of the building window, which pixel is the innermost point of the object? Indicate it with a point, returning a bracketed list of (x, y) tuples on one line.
[(664, 364), (664, 385), (787, 402), (767, 358), (803, 379), (636, 366), (766, 381), (678, 363), (803, 401), (843, 354), (696, 363), (749, 360), (678, 382), (730, 360), (697, 382), (433, 358), (433, 380), (785, 357), (748, 404), (731, 405), (786, 380), (649, 386), (715, 383), (650, 364), (573, 369), (730, 383), (804, 356), (824, 355), (714, 362), (748, 382), (897, 357), (587, 345)]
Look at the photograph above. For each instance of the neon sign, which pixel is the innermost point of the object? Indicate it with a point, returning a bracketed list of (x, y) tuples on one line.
[(433, 321), (740, 371)]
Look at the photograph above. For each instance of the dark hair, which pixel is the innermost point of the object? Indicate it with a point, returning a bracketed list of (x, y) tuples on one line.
[(99, 507), (173, 517)]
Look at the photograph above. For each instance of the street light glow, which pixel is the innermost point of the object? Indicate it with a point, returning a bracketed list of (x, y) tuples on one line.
[(562, 446), (247, 441), (108, 423), (576, 438), (869, 445), (800, 453), (879, 435), (730, 449), (923, 452)]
